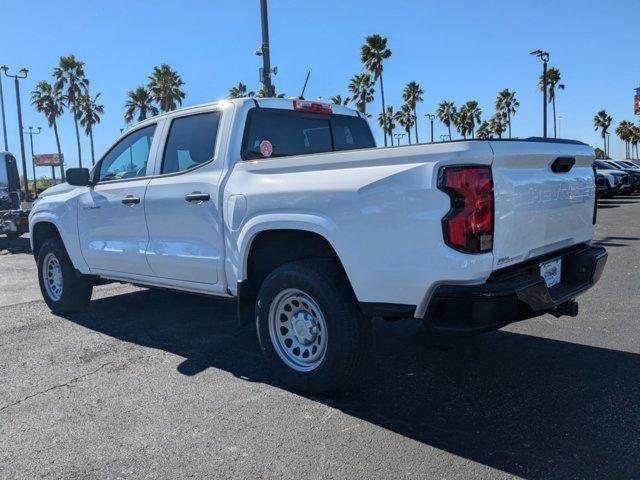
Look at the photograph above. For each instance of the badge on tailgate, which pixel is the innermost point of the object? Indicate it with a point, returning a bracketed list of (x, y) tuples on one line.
[(551, 271)]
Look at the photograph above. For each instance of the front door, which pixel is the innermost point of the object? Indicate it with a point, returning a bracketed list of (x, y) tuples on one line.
[(112, 226), (183, 214)]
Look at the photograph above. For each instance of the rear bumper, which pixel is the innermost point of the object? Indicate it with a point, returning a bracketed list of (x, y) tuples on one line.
[(516, 293)]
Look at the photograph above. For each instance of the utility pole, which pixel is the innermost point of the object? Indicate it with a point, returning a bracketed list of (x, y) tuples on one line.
[(431, 117), (22, 74), (264, 51), (3, 68), (31, 133), (544, 56)]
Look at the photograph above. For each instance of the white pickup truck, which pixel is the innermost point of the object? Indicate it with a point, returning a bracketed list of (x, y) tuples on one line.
[(288, 207)]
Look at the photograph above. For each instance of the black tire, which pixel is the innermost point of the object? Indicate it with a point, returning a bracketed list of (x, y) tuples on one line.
[(348, 332), (76, 290)]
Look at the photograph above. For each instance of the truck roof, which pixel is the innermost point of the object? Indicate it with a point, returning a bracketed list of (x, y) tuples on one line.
[(281, 103)]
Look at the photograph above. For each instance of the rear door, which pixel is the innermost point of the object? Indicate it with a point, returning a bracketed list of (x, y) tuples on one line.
[(181, 201), (539, 210)]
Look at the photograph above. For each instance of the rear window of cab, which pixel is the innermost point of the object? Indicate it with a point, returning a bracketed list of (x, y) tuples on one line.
[(273, 133)]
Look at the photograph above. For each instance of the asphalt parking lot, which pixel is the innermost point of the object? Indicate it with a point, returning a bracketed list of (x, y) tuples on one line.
[(149, 384)]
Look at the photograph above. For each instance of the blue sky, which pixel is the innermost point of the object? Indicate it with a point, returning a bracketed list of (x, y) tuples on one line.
[(456, 50)]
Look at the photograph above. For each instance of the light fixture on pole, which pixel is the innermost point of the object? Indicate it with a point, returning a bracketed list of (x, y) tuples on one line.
[(431, 117), (22, 74), (31, 133), (398, 137), (544, 56)]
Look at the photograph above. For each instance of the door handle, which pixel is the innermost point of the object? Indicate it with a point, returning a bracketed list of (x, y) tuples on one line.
[(130, 200), (197, 197)]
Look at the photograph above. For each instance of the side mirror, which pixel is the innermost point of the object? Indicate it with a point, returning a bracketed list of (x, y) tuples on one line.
[(78, 177)]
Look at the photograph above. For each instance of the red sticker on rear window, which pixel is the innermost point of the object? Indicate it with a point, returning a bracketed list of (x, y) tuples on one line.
[(266, 149)]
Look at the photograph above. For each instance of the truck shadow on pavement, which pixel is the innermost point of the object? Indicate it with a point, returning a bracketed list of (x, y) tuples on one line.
[(529, 406)]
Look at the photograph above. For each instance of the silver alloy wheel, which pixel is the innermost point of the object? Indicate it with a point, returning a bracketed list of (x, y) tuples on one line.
[(298, 330), (52, 277)]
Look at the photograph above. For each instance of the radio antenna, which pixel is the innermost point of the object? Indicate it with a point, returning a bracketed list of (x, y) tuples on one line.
[(305, 85)]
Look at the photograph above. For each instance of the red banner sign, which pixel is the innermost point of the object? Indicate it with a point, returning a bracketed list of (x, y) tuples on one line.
[(636, 105), (48, 159)]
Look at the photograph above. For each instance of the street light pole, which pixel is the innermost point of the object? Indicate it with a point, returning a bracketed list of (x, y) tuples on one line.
[(264, 50), (31, 133), (3, 68), (22, 74), (544, 56), (445, 137), (431, 117)]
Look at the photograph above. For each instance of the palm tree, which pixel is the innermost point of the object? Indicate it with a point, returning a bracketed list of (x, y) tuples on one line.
[(70, 79), (471, 116), (164, 85), (139, 101), (361, 90), (634, 138), (507, 104), (50, 101), (337, 100), (412, 94), (263, 94), (90, 112), (240, 91), (372, 54), (624, 130), (405, 119), (459, 121), (446, 113), (386, 122), (553, 81), (498, 124), (602, 121), (484, 131)]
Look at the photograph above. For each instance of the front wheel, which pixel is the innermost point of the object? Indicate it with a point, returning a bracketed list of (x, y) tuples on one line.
[(310, 328), (63, 289)]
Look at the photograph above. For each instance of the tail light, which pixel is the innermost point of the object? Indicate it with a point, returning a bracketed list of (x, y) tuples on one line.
[(468, 226), (312, 107)]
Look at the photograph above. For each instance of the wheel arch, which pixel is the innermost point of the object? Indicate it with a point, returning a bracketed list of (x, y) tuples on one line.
[(274, 245)]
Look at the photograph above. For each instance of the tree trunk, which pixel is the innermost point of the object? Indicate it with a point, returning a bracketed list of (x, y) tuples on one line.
[(509, 121), (93, 158), (383, 108), (391, 135), (409, 134), (415, 116), (449, 127), (55, 131), (75, 121), (553, 103)]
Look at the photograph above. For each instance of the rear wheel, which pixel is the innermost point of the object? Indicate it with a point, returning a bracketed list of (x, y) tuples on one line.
[(63, 289), (310, 328)]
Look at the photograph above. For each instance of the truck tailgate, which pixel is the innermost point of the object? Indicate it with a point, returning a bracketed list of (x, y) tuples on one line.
[(538, 210)]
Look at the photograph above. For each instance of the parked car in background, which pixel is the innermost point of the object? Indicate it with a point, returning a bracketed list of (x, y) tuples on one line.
[(602, 187), (634, 173), (14, 221), (618, 182), (628, 164)]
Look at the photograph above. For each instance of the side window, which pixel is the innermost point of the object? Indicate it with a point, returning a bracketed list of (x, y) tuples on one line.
[(128, 159), (350, 133), (273, 133), (191, 142)]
